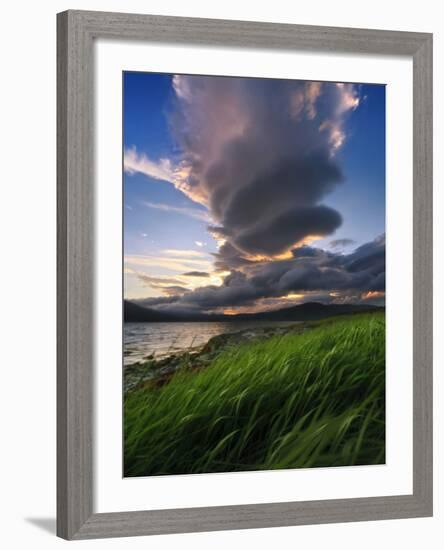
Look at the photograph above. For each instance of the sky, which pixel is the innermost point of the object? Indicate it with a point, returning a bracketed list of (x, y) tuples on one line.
[(248, 194)]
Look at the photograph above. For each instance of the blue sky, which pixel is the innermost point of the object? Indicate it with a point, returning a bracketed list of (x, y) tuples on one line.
[(208, 187), (361, 199), (147, 99)]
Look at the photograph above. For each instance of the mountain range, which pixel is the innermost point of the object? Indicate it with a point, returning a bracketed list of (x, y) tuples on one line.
[(134, 313)]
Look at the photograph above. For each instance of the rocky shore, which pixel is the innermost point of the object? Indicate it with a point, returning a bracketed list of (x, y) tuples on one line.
[(156, 372)]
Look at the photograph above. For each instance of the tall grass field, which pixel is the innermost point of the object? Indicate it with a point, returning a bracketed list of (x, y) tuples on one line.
[(315, 399)]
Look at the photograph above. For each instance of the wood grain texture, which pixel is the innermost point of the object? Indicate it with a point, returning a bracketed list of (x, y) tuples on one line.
[(75, 277), (77, 31), (423, 273), (227, 33), (222, 518)]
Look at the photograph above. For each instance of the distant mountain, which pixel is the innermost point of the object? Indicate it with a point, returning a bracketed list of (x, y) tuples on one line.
[(309, 311), (303, 312), (132, 313)]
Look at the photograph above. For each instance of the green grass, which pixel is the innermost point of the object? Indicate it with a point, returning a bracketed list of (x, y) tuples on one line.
[(297, 401)]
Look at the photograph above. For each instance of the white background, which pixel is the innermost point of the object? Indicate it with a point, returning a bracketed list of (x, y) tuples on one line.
[(28, 251)]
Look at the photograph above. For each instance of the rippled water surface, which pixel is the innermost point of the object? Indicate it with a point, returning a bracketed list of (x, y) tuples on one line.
[(162, 339)]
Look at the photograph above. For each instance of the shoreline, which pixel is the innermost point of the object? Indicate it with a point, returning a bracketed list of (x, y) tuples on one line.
[(158, 371)]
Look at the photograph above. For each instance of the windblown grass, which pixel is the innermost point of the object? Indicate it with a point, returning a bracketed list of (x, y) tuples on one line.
[(315, 399)]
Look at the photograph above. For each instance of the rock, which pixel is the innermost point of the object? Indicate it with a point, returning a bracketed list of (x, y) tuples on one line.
[(158, 372)]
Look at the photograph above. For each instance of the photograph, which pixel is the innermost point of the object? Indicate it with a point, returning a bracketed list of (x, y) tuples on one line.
[(254, 222)]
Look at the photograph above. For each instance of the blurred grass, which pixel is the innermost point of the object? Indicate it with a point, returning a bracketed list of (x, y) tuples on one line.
[(315, 399)]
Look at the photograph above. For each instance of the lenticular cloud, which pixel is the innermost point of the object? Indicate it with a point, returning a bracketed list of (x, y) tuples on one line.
[(261, 156)]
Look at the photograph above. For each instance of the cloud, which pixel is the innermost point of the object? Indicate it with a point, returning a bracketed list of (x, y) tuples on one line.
[(341, 243), (373, 295), (287, 229), (175, 263), (261, 155), (369, 256), (173, 290), (181, 210), (140, 163), (154, 282), (196, 274), (156, 301), (312, 272)]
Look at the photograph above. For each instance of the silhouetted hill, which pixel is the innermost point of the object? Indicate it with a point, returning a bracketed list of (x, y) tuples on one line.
[(309, 311), (137, 314), (303, 312)]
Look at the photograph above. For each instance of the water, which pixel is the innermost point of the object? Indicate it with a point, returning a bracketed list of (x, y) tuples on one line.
[(163, 339)]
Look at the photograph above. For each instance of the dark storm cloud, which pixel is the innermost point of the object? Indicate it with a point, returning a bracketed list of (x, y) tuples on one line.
[(196, 274), (291, 182), (228, 257), (260, 154), (370, 256), (291, 226), (157, 301), (311, 270)]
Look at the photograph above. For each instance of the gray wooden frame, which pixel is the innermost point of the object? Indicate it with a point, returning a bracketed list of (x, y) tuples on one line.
[(76, 32)]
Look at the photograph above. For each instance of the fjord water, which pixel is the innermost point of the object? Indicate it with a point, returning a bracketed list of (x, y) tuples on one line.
[(163, 339)]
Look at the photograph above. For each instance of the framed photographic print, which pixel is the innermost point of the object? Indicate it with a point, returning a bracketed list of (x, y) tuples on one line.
[(244, 275)]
